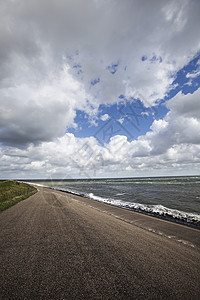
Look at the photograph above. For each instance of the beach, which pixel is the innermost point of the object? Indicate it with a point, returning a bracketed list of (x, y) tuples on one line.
[(55, 245)]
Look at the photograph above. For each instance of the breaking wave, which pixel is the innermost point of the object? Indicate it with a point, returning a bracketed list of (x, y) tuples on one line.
[(154, 210), (158, 210)]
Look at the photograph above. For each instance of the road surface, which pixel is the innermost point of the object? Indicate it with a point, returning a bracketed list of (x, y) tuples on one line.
[(58, 246)]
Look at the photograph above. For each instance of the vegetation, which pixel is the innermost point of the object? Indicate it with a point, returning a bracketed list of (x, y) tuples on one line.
[(12, 192)]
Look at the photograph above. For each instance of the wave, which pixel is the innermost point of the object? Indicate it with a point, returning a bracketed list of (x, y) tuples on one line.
[(161, 211), (121, 194), (154, 210)]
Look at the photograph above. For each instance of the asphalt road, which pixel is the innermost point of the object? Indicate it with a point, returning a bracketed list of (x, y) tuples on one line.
[(56, 246)]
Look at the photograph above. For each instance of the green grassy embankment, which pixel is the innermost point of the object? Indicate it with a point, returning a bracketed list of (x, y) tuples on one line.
[(12, 192)]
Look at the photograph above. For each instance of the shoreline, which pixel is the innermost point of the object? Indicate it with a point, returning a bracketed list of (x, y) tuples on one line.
[(56, 245), (183, 234), (166, 217)]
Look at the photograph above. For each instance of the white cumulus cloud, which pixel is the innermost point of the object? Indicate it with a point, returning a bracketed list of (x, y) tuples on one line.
[(172, 145)]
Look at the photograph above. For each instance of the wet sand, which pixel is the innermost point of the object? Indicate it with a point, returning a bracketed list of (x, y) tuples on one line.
[(55, 245)]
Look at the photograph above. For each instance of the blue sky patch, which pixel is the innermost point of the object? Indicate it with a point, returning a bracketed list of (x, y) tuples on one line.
[(113, 68), (144, 57), (183, 81), (76, 66), (95, 81), (130, 117)]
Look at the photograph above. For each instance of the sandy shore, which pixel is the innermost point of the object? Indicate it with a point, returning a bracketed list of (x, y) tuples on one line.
[(60, 246)]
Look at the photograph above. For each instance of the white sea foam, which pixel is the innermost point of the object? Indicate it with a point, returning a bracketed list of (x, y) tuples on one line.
[(158, 210), (152, 209)]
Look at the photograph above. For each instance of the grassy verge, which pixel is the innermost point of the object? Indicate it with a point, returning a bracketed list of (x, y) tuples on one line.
[(12, 192)]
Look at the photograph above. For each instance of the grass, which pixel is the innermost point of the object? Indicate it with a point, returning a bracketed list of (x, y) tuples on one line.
[(12, 192)]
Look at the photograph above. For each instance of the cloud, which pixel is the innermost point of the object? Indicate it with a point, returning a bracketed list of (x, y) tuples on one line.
[(172, 144), (31, 113), (105, 117), (184, 117), (194, 74), (181, 125), (58, 57), (106, 41)]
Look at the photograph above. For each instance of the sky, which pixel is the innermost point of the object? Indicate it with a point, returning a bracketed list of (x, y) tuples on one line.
[(99, 88)]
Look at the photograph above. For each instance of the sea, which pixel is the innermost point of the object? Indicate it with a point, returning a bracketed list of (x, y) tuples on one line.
[(176, 199)]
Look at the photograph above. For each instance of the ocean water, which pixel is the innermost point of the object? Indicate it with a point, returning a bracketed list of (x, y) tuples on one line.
[(173, 198)]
